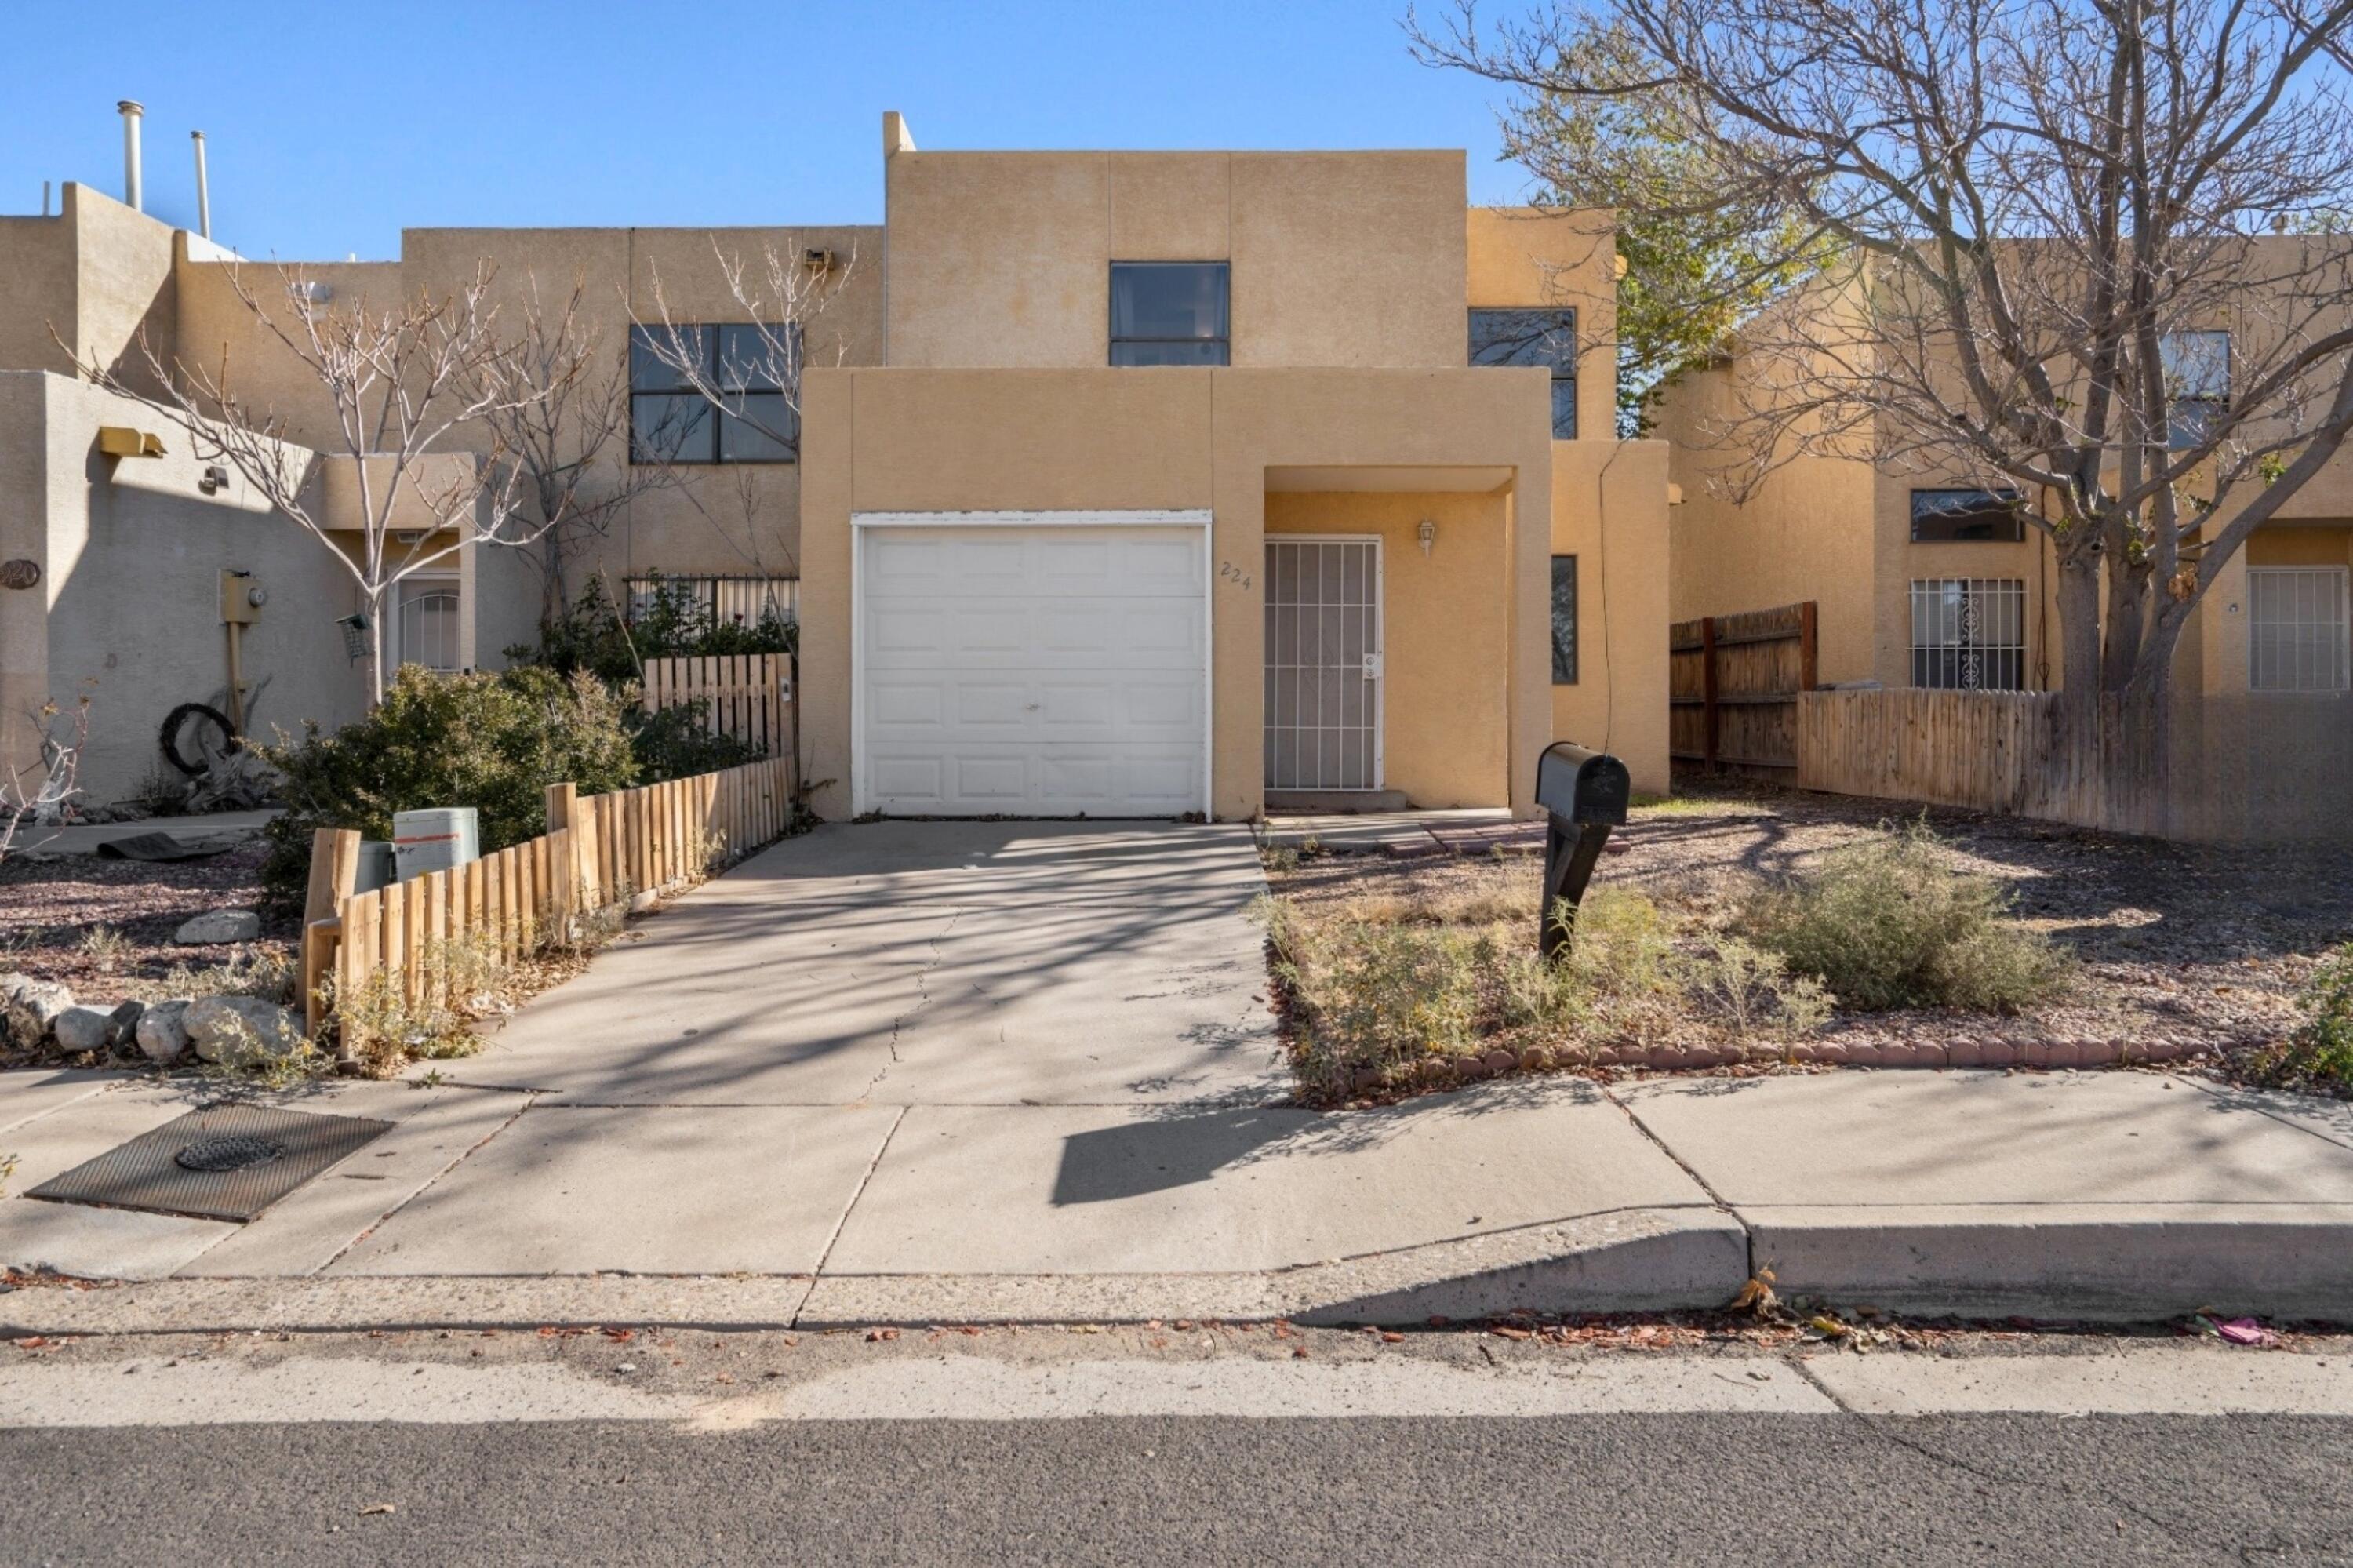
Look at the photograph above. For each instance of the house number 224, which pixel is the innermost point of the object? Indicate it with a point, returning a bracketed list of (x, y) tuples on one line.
[(1234, 574)]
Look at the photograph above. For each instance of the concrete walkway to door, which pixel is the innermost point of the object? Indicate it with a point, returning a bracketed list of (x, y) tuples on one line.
[(926, 963)]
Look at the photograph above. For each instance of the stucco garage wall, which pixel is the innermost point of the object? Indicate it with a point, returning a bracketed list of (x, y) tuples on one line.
[(898, 440), (1445, 632), (134, 553)]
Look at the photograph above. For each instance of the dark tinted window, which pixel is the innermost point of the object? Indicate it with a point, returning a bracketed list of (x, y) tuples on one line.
[(1533, 337), (1950, 516), (1168, 312), (1564, 620), (672, 419)]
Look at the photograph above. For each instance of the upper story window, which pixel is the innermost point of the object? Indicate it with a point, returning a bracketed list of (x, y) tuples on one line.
[(2197, 385), (1169, 312), (676, 371), (1545, 337), (1953, 516)]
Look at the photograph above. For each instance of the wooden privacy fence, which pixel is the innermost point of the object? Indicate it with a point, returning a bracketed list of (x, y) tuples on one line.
[(1993, 751), (1733, 685), (598, 851), (749, 695)]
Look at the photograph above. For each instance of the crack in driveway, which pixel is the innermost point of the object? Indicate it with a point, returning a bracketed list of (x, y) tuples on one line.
[(922, 1001)]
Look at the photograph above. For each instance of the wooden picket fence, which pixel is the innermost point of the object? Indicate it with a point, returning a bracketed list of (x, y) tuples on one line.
[(1993, 751), (598, 851), (749, 695)]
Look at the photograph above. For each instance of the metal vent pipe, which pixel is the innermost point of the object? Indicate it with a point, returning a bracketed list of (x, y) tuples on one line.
[(204, 190), (131, 110)]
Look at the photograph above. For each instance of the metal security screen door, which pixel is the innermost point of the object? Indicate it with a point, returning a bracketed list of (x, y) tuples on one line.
[(1324, 663)]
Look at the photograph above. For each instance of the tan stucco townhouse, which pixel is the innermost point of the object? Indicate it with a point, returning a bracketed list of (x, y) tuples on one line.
[(1126, 483)]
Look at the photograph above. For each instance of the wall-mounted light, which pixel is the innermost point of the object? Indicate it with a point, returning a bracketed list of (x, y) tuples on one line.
[(1427, 532), (214, 479)]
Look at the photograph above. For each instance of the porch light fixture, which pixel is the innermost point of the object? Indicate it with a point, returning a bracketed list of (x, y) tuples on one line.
[(1427, 532)]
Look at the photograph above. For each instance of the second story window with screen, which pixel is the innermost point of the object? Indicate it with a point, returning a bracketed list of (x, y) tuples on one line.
[(1546, 338), (2197, 385), (675, 371), (1953, 516), (1169, 312)]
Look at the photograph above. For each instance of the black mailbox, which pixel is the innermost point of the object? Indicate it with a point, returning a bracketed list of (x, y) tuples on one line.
[(1585, 794)]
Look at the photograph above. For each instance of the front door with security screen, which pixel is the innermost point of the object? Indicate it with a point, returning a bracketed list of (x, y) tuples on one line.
[(1322, 663)]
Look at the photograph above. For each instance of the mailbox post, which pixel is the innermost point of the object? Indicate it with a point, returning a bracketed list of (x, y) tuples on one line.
[(1583, 794)]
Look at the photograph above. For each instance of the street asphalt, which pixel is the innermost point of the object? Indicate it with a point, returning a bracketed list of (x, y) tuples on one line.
[(1210, 1444), (1635, 1488)]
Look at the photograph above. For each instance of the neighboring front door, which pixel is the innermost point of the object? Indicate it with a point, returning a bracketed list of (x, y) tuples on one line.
[(1323, 662)]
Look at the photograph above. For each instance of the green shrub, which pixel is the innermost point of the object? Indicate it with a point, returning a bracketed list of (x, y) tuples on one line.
[(2320, 1052), (676, 743), (1891, 922), (494, 742), (593, 635)]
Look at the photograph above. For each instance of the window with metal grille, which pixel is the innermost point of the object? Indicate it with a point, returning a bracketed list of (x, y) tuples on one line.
[(1170, 312), (1969, 634), (726, 600), (426, 629), (1564, 620), (1546, 338), (2297, 631), (752, 370)]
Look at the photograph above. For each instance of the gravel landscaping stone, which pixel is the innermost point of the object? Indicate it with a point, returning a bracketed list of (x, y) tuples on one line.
[(2183, 950), (29, 1010), (216, 927), (163, 1031), (241, 1031)]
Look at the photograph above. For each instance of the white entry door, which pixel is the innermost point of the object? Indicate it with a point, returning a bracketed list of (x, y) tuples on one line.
[(1322, 663), (1039, 669)]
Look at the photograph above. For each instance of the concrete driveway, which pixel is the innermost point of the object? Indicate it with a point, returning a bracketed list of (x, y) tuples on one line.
[(925, 963)]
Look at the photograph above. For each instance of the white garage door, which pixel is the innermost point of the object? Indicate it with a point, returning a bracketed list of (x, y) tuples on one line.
[(1028, 669)]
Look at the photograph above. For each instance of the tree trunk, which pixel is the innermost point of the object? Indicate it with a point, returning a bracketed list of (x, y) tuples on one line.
[(2079, 627), (376, 597)]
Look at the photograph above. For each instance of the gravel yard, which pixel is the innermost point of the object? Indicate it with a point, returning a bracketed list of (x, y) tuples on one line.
[(104, 927), (2194, 947)]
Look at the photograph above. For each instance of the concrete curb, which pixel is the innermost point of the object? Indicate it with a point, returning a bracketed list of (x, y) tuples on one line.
[(2070, 1261), (1633, 1261)]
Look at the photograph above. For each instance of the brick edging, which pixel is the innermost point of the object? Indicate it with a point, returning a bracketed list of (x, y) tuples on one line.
[(1965, 1054)]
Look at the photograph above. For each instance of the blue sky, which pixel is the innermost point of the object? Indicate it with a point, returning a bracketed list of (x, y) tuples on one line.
[(331, 126)]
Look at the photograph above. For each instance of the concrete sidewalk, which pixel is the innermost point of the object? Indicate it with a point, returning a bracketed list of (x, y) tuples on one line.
[(2060, 1195)]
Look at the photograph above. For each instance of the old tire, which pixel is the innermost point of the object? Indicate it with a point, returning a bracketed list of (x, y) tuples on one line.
[(182, 721)]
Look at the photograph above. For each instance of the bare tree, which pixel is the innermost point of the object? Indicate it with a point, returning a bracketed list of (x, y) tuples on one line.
[(746, 374), (2044, 213), (409, 388), (556, 401), (42, 799)]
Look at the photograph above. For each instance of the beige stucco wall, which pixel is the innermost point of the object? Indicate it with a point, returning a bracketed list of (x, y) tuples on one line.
[(1609, 511), (1558, 257), (900, 440), (1338, 258), (1803, 535), (128, 612), (97, 276), (1446, 718)]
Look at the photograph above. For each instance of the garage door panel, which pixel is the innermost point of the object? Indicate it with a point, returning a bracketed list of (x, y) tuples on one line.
[(1049, 670)]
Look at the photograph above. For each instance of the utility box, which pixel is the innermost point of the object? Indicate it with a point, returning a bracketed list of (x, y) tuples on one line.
[(439, 839), (376, 866)]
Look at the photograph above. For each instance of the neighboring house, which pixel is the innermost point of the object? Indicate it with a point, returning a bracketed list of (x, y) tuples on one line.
[(1932, 582), (1125, 484)]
